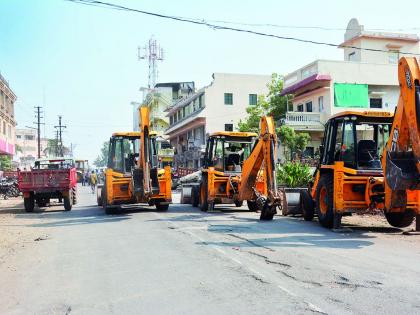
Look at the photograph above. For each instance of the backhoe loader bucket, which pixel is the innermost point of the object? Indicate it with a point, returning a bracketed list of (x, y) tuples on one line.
[(401, 171)]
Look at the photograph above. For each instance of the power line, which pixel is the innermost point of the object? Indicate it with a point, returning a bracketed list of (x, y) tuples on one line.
[(220, 27)]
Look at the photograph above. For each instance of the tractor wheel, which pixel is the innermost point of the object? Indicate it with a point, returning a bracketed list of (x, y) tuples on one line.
[(325, 200), (68, 201), (307, 205), (161, 207), (74, 190), (252, 205), (204, 204), (195, 199), (239, 203), (29, 203), (400, 219)]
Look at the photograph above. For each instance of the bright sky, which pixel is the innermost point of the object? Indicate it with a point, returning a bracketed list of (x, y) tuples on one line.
[(81, 61)]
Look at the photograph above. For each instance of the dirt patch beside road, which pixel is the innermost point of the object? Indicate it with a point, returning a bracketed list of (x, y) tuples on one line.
[(15, 233)]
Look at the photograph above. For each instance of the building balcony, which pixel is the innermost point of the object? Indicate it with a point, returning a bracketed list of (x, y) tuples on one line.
[(309, 121)]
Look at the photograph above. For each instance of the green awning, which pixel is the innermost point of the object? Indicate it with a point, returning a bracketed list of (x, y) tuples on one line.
[(351, 95)]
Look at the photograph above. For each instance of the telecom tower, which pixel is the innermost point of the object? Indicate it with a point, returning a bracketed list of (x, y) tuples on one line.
[(153, 52)]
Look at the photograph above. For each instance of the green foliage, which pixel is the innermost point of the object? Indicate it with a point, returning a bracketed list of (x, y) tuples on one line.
[(294, 174), (102, 159), (292, 140), (5, 163), (272, 104)]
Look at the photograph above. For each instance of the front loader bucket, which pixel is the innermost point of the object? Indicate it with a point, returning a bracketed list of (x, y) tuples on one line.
[(401, 171), (291, 201)]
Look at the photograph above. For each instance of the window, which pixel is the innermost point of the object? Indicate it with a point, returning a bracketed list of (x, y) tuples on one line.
[(352, 56), (228, 99), (321, 103), (9, 131), (252, 99), (309, 106), (347, 148), (201, 101), (18, 137), (393, 56), (171, 120), (29, 137), (183, 112), (228, 127), (375, 102), (4, 127), (300, 108)]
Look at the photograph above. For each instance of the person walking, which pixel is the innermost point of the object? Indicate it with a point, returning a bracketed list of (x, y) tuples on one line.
[(93, 181)]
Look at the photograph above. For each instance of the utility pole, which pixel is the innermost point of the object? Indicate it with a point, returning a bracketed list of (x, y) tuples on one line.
[(38, 113), (60, 128)]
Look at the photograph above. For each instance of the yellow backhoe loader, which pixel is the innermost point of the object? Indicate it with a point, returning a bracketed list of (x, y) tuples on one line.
[(237, 168), (132, 175), (371, 160)]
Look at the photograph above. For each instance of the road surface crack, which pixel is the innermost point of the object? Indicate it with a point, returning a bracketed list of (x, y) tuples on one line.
[(269, 261), (250, 242)]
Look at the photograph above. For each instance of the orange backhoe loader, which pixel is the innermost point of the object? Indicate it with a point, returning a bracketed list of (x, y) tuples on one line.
[(371, 160), (132, 175), (237, 169)]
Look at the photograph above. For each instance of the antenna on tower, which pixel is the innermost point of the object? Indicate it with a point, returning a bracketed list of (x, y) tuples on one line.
[(153, 53)]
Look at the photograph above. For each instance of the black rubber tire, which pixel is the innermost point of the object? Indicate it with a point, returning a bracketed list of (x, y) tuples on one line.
[(29, 203), (74, 195), (252, 205), (204, 204), (400, 219), (99, 201), (195, 198), (307, 205), (160, 207), (239, 203), (267, 213), (68, 201), (326, 181)]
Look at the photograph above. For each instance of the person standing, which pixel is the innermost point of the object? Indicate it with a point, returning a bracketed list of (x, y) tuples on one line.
[(93, 181)]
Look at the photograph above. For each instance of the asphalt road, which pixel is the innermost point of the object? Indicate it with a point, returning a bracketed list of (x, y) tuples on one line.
[(187, 262)]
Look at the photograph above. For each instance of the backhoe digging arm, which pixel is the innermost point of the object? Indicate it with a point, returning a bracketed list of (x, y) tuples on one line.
[(262, 155), (401, 154)]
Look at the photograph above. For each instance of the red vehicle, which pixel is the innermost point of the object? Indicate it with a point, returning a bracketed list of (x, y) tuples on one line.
[(49, 179)]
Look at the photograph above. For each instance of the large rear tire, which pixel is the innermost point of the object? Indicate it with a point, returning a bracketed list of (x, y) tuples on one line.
[(325, 200), (400, 219), (204, 204), (239, 203), (307, 205), (68, 201), (195, 198), (29, 203)]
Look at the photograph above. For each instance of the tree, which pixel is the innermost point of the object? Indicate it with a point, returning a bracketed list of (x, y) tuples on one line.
[(5, 163), (252, 122), (272, 104), (102, 158), (292, 140)]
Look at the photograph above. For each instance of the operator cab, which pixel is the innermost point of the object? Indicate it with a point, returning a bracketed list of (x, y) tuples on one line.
[(123, 151), (357, 139), (226, 151)]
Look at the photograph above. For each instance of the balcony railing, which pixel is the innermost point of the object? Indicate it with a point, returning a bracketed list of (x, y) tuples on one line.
[(312, 119)]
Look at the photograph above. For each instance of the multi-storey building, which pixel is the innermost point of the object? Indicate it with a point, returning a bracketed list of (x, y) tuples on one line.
[(27, 141), (366, 79), (7, 118), (219, 106)]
